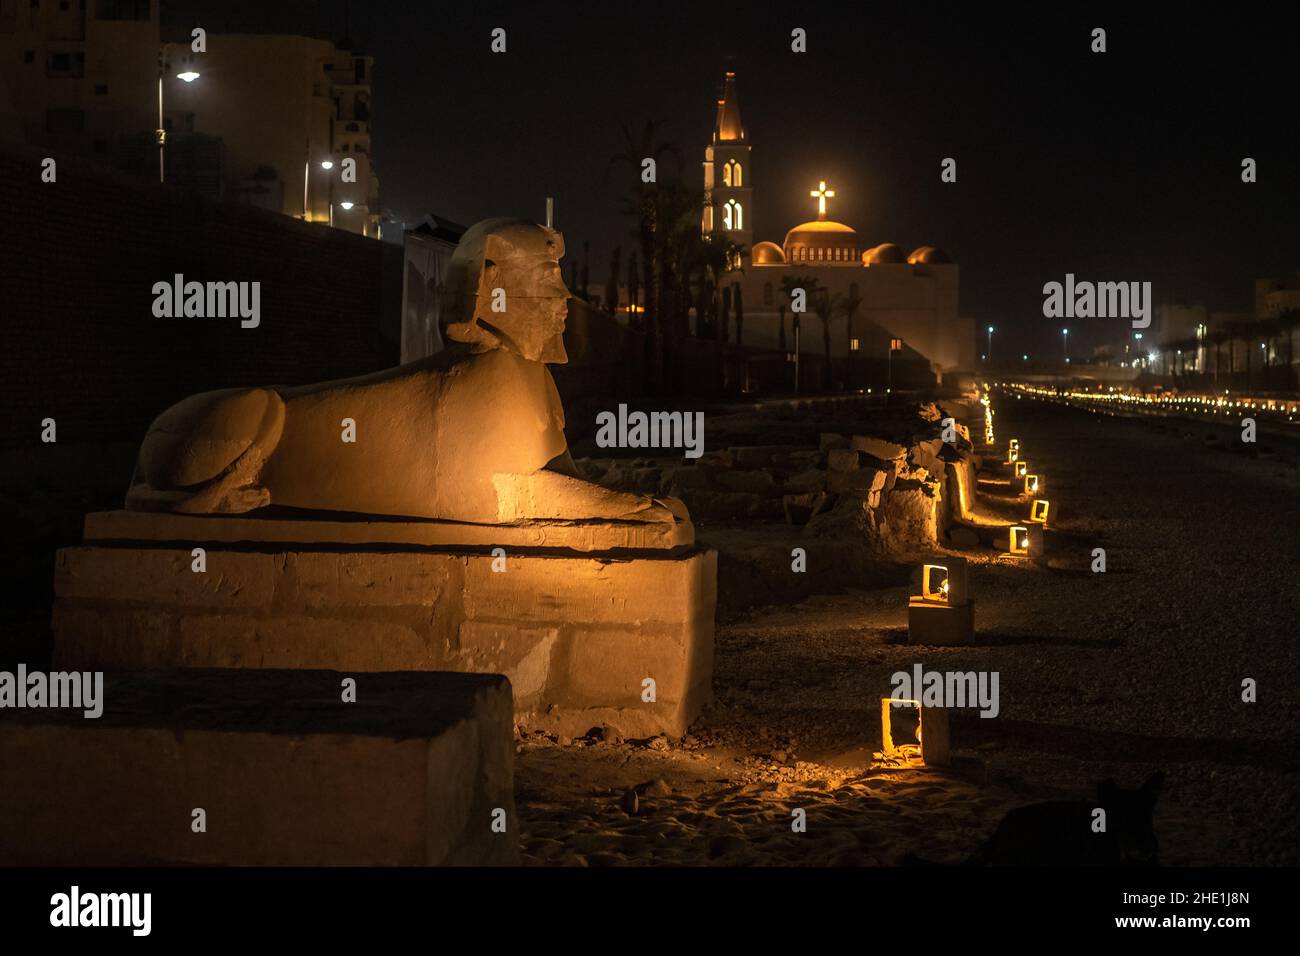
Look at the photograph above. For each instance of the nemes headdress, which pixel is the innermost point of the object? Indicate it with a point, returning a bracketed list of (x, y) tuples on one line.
[(509, 254)]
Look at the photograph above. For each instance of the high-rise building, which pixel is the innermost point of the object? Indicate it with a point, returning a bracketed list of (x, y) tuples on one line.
[(275, 120)]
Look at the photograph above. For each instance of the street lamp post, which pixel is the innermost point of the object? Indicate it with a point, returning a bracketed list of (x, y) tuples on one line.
[(1065, 345), (989, 353), (189, 76)]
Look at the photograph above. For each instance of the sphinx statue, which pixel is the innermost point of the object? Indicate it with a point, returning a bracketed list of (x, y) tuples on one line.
[(474, 433)]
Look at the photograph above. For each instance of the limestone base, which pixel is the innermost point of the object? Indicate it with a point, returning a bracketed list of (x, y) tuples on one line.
[(286, 774), (586, 641), (940, 624)]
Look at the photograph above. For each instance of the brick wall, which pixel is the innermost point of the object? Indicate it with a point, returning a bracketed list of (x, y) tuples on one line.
[(81, 343)]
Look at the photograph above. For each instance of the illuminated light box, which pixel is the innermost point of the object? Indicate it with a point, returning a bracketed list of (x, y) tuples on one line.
[(1032, 484), (1014, 445), (1019, 540), (1022, 468), (1035, 543), (943, 614), (912, 735), (1038, 510), (1012, 456)]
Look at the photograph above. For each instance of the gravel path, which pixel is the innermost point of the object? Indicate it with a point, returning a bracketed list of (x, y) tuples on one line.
[(1101, 675)]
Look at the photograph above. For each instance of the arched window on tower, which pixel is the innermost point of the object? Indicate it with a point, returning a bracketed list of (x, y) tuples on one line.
[(731, 174), (733, 215)]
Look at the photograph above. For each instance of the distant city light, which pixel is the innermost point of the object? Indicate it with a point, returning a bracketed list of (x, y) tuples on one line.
[(189, 76), (346, 205), (327, 164)]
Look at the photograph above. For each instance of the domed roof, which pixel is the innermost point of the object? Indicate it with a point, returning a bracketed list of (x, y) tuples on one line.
[(767, 253), (929, 256), (886, 252), (820, 232)]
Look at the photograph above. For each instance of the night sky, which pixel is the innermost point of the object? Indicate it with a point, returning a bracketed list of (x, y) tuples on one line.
[(1119, 166)]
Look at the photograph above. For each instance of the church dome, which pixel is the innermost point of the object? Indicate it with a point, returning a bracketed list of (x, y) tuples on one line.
[(886, 252), (821, 241), (767, 253), (929, 256)]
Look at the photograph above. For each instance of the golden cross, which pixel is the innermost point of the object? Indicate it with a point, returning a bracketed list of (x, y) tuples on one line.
[(821, 193)]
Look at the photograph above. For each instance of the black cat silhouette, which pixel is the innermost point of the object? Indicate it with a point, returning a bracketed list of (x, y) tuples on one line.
[(1061, 833)]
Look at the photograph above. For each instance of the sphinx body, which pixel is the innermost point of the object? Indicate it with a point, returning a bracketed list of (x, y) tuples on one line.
[(474, 433)]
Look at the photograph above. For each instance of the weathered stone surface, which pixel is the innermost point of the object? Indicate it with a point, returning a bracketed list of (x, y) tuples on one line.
[(148, 575), (843, 459), (830, 440), (238, 640), (520, 653), (806, 482), (409, 610), (864, 480), (287, 773), (877, 447), (960, 536), (752, 456), (685, 477), (906, 521), (748, 481), (598, 535), (351, 579), (939, 624)]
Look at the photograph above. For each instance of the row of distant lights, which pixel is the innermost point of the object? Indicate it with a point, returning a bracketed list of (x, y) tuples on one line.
[(1204, 403)]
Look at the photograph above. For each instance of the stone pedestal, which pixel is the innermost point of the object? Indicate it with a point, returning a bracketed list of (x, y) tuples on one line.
[(941, 624), (286, 773), (586, 640)]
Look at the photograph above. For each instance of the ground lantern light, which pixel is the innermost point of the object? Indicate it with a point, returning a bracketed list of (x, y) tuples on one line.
[(1019, 540), (942, 613), (1038, 511), (913, 736), (1032, 484)]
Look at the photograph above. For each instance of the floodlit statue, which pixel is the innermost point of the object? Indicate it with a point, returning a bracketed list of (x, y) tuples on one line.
[(474, 433)]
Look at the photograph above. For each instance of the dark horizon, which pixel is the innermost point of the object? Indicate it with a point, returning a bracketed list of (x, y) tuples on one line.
[(1117, 166)]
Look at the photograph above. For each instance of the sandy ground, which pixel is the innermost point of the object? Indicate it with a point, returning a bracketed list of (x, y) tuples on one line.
[(1102, 675)]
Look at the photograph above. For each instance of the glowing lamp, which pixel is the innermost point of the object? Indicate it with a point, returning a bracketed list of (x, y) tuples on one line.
[(1038, 510), (189, 76), (942, 614), (1022, 468), (1014, 444), (327, 164), (1019, 540), (346, 205), (912, 736), (1031, 484), (944, 583), (934, 583)]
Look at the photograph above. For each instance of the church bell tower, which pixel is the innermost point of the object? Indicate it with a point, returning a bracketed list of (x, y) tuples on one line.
[(727, 174)]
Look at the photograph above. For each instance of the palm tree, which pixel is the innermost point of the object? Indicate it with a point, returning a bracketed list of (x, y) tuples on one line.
[(849, 304), (824, 305), (640, 204), (789, 284), (740, 318)]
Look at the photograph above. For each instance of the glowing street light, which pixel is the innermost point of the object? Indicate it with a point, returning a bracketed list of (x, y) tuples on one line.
[(189, 75), (1065, 344), (990, 350), (327, 164)]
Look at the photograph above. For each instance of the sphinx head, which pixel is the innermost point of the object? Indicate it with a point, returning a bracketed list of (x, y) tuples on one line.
[(504, 290)]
